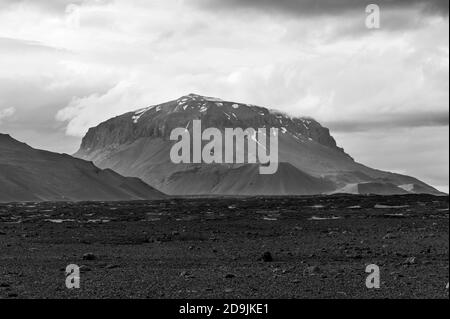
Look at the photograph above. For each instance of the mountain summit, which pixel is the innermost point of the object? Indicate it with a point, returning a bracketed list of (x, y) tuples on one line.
[(138, 144)]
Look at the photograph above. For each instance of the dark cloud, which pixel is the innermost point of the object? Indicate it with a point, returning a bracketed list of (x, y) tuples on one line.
[(325, 7), (392, 121)]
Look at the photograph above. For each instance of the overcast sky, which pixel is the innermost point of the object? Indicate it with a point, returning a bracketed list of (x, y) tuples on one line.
[(67, 65)]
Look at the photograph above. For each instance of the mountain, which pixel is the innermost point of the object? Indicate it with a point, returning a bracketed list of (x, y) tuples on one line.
[(27, 174), (138, 144)]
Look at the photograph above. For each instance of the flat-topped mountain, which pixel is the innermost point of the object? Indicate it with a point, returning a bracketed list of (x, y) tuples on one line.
[(138, 144), (28, 174)]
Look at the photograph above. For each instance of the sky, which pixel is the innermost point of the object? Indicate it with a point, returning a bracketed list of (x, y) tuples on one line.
[(68, 65)]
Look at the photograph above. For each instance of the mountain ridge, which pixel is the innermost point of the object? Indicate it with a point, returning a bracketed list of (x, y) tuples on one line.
[(32, 175)]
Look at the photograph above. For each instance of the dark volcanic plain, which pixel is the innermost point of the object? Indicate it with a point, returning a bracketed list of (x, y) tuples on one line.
[(212, 248)]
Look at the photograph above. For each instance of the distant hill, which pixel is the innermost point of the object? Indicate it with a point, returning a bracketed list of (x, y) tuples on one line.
[(28, 174), (137, 144)]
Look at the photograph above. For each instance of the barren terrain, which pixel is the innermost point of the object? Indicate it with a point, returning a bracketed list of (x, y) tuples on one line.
[(287, 247)]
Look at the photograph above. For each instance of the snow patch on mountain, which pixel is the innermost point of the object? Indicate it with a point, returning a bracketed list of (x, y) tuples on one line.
[(139, 113)]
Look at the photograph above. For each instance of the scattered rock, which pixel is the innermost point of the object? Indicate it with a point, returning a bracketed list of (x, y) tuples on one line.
[(313, 270), (410, 261), (112, 266), (186, 274), (84, 269), (390, 237), (89, 257), (266, 257)]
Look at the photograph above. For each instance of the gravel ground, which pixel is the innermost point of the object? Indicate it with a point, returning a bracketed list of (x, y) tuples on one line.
[(303, 247)]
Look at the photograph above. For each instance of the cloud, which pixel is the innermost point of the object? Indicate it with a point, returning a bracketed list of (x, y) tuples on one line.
[(54, 6), (7, 113), (324, 7), (23, 46), (393, 81), (83, 113), (420, 119)]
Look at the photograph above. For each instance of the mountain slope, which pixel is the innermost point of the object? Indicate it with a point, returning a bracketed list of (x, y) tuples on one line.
[(223, 180), (27, 174), (137, 144)]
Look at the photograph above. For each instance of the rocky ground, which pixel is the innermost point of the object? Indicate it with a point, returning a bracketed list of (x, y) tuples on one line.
[(307, 247)]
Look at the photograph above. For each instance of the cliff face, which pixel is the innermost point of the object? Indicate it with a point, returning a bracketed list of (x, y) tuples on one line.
[(27, 174), (137, 144)]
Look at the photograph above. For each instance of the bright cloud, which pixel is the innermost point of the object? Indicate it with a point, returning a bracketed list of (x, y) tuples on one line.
[(7, 113)]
